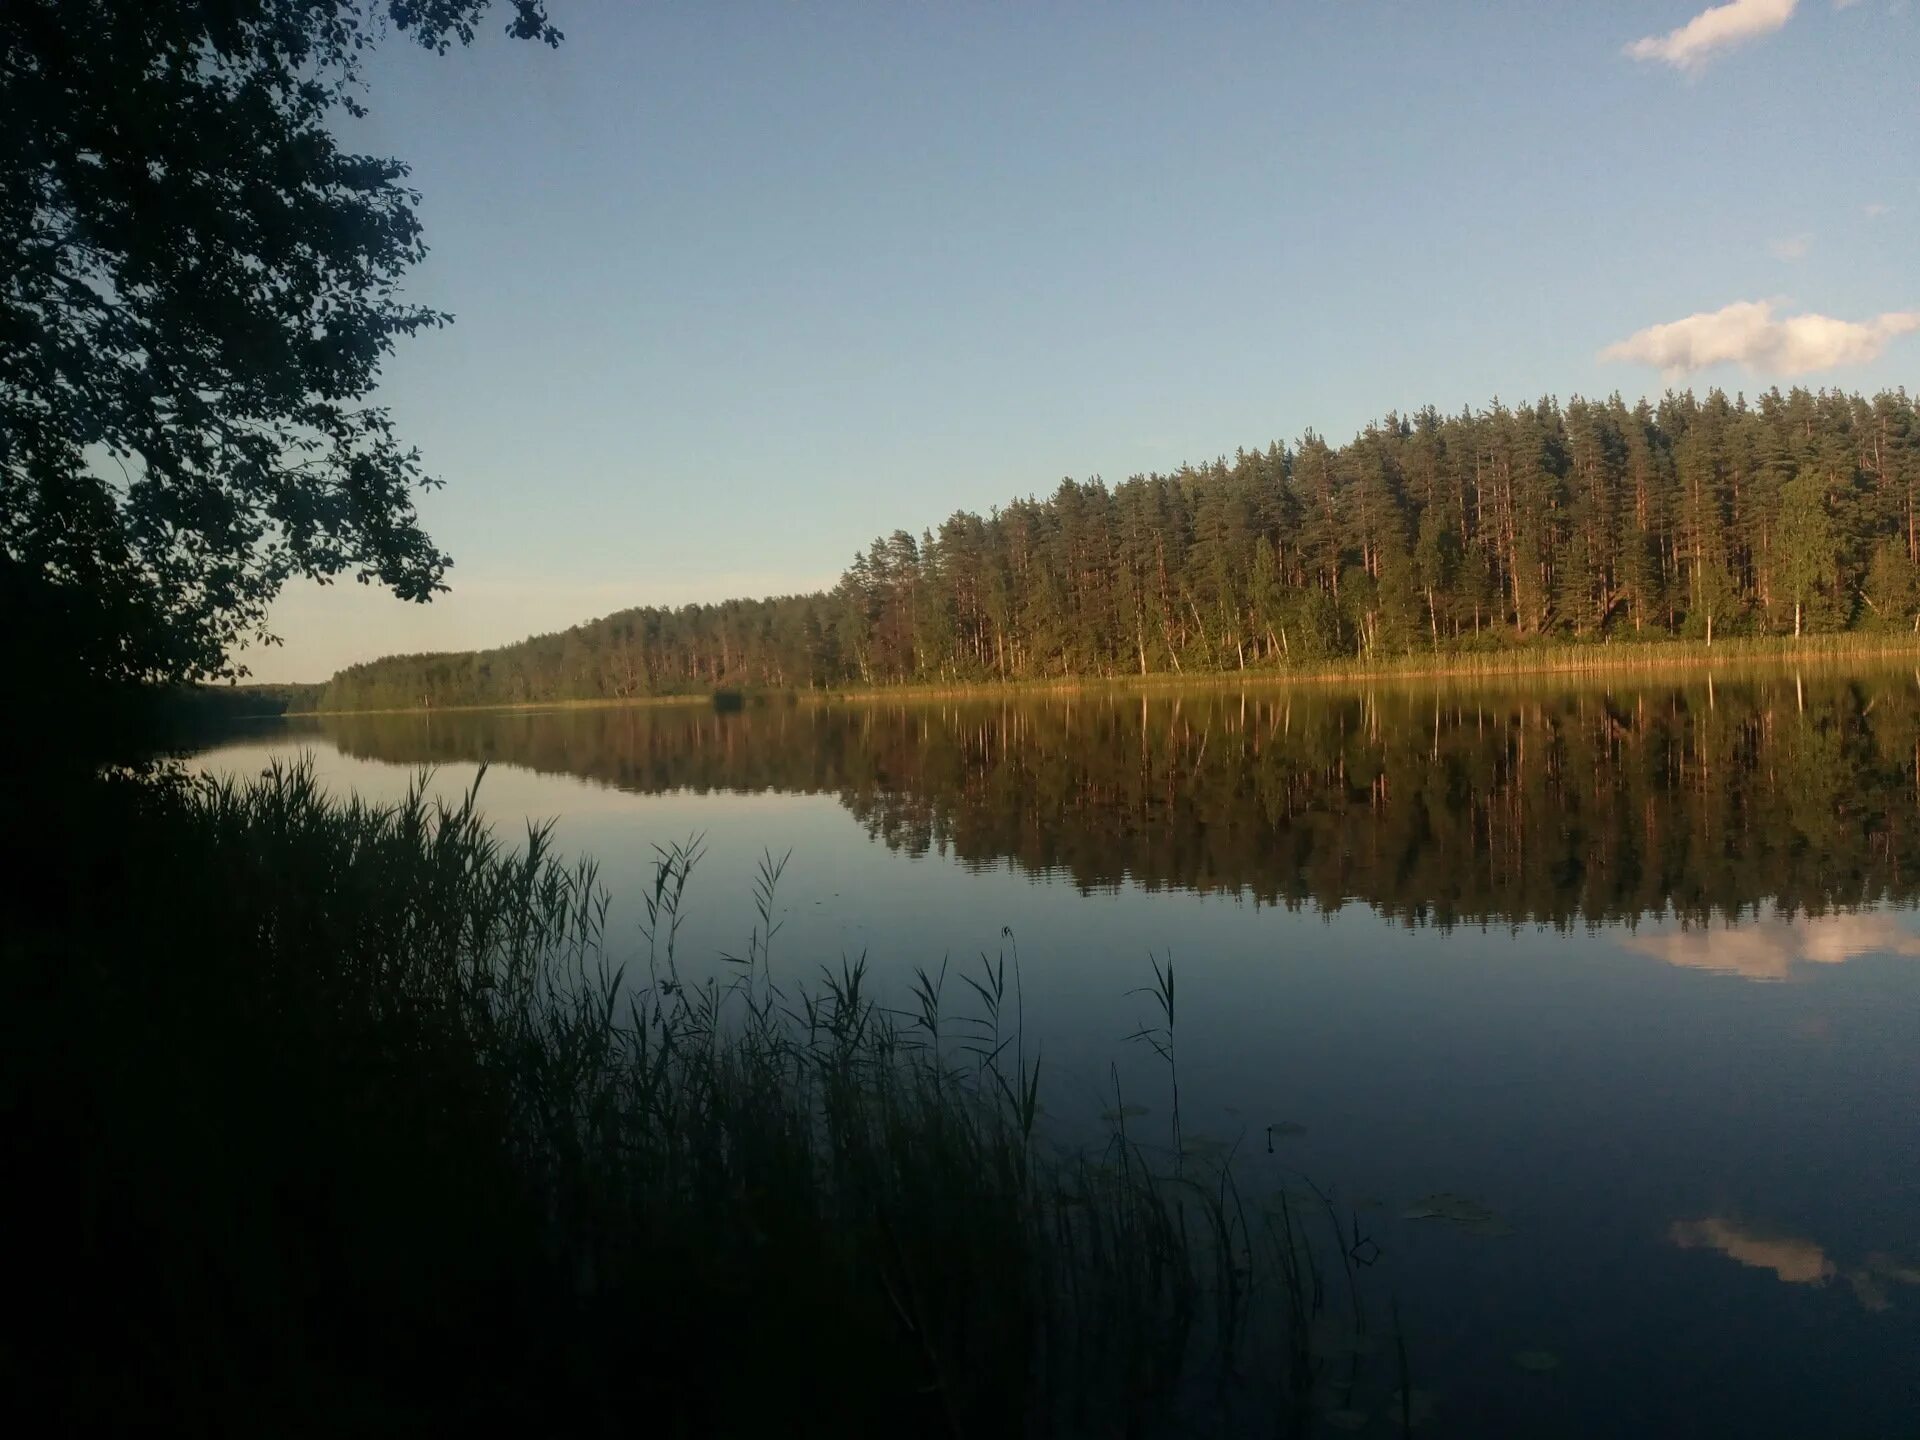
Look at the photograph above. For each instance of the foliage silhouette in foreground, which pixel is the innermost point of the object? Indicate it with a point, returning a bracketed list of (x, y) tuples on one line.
[(203, 285)]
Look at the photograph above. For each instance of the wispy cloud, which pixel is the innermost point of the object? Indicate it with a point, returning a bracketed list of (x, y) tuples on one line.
[(1875, 209), (1747, 334), (1713, 30), (1790, 247)]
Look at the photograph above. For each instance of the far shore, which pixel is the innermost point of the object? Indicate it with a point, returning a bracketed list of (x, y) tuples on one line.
[(1566, 661)]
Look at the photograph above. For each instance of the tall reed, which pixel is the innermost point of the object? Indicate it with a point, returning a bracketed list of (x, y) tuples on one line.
[(416, 1150)]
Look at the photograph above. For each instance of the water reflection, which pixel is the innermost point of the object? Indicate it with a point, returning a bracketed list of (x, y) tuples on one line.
[(1491, 1040), (1770, 949), (1432, 804), (1796, 1261)]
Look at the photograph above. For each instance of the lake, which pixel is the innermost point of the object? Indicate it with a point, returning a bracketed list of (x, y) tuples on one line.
[(1626, 971)]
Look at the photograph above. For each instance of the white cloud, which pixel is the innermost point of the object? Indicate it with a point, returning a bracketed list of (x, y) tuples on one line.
[(1875, 210), (1713, 30), (1746, 333), (1789, 247)]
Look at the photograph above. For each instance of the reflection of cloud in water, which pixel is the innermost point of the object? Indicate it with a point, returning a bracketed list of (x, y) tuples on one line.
[(1794, 1260), (1871, 1281), (1769, 949), (1798, 1262)]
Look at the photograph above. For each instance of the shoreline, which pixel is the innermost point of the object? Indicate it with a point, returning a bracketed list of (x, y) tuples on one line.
[(1563, 661)]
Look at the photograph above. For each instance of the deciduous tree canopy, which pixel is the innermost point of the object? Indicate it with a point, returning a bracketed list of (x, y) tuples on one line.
[(202, 283)]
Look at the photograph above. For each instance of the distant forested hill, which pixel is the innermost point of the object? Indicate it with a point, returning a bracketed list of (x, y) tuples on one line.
[(1697, 517)]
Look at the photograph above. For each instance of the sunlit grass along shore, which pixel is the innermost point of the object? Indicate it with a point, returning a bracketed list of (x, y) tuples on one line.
[(373, 1129), (1764, 654), (1758, 653)]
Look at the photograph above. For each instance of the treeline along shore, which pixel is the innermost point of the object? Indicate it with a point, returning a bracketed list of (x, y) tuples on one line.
[(1507, 537)]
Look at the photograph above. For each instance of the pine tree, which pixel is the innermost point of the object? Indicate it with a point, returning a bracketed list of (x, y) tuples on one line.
[(1889, 589), (1436, 557), (1806, 542), (1475, 529)]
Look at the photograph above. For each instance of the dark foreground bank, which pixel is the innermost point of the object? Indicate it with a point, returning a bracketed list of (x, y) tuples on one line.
[(337, 1118)]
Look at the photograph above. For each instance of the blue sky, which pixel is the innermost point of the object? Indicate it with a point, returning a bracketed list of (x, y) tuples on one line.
[(739, 286)]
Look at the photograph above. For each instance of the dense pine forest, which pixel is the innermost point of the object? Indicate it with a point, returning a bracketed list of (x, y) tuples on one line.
[(1507, 526)]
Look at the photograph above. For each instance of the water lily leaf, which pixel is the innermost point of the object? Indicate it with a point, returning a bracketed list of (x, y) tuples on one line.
[(1284, 1129), (1125, 1112), (1493, 1228), (1537, 1362), (1203, 1145), (1460, 1210), (1347, 1419)]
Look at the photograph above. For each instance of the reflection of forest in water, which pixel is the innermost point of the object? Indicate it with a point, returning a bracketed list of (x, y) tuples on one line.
[(1432, 804)]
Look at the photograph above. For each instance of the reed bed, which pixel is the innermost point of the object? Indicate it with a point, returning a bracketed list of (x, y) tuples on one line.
[(377, 1135)]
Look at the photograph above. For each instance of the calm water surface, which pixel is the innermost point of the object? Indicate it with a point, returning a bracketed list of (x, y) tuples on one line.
[(1635, 966)]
